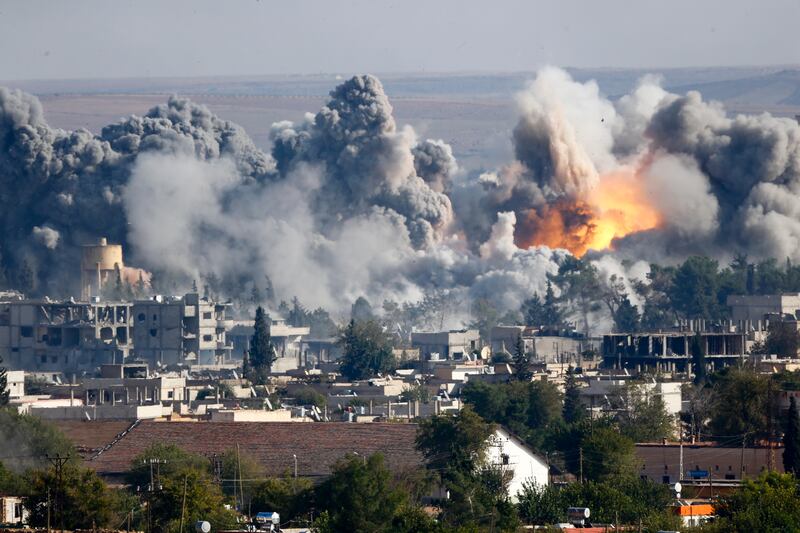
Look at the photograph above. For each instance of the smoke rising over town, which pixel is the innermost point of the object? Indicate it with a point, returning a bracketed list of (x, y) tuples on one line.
[(349, 203)]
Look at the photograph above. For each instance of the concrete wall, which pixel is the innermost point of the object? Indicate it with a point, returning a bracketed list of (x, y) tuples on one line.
[(99, 412), (251, 415), (453, 344), (754, 307)]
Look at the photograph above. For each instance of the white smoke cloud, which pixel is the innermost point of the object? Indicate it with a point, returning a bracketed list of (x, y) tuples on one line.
[(46, 236)]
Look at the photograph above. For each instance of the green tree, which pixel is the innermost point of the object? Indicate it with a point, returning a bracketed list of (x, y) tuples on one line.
[(192, 496), (742, 407), (580, 287), (360, 495), (361, 310), (367, 350), (698, 359), (237, 470), (531, 311), (177, 477), (262, 353), (607, 454), (522, 364), (455, 448), (658, 310), (36, 437), (643, 417), (415, 393), (574, 410), (791, 439), (769, 504), (291, 497), (694, 288), (783, 339), (626, 316), (551, 314), (626, 500), (82, 500), (159, 460)]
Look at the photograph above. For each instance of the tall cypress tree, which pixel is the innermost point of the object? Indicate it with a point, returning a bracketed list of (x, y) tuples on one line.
[(551, 315), (574, 411), (522, 365), (698, 359), (262, 352), (791, 440)]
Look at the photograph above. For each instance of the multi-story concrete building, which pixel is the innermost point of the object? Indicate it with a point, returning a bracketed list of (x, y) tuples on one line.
[(756, 308), (69, 337), (453, 344), (671, 351), (187, 330), (543, 345), (287, 339)]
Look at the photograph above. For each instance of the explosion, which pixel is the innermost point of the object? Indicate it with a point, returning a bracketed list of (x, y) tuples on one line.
[(616, 207)]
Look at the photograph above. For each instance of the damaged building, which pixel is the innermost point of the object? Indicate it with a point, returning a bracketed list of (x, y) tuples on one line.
[(671, 351), (69, 337), (186, 330)]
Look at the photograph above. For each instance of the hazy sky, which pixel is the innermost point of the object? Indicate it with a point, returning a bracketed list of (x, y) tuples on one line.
[(100, 39)]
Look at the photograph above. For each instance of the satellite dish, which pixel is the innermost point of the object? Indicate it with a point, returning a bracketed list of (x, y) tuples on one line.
[(677, 487)]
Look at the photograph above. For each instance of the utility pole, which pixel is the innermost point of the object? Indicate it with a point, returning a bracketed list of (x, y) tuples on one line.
[(580, 456), (58, 463), (183, 504), (741, 460), (152, 488), (239, 468)]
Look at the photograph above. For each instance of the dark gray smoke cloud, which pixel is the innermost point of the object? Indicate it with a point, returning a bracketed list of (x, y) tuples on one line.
[(348, 204), (367, 162)]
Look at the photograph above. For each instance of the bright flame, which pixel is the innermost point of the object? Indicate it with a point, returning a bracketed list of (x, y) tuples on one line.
[(622, 207), (616, 207)]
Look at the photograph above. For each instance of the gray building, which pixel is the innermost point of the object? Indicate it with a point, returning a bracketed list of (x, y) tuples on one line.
[(69, 337), (754, 308), (186, 330), (453, 344), (542, 344), (287, 339)]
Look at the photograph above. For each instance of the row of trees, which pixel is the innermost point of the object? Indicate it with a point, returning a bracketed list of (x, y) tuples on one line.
[(168, 489), (697, 288)]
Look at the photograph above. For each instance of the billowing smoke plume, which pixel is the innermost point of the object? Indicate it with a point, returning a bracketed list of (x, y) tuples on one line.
[(346, 203)]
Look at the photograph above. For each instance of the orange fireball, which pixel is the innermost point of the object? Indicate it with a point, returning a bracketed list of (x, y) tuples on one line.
[(616, 207)]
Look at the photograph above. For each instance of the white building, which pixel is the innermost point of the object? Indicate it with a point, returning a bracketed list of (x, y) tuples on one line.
[(599, 393), (15, 383), (510, 453)]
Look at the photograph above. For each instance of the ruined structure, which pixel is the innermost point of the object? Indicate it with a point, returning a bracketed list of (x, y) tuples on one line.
[(100, 263), (544, 345), (187, 330), (452, 344), (69, 337), (671, 351)]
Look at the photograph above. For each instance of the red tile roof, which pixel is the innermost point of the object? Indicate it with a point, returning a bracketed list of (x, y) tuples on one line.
[(273, 444)]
